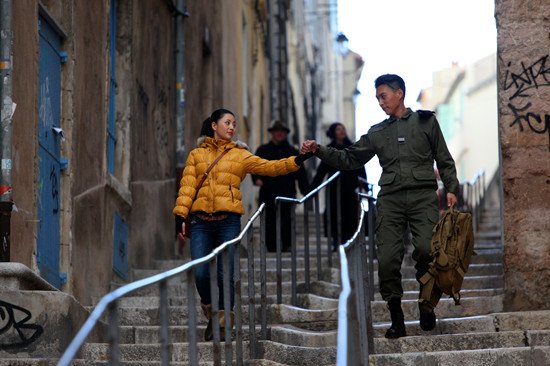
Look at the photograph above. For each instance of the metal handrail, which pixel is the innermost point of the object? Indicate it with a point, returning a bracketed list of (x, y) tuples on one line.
[(473, 197), (108, 302), (313, 194), (354, 326)]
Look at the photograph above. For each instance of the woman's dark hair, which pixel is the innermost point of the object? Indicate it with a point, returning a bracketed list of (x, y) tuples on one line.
[(331, 132), (206, 128), (394, 82)]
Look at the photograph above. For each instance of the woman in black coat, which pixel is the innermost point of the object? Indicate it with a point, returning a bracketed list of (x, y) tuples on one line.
[(349, 183)]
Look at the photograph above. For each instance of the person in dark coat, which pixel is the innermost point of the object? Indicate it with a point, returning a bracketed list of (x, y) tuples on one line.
[(349, 182), (283, 185)]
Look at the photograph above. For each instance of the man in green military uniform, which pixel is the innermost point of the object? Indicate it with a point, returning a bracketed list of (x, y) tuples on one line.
[(407, 143)]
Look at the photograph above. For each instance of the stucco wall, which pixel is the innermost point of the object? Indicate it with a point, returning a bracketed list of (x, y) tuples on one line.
[(141, 189), (153, 132), (24, 141), (524, 126)]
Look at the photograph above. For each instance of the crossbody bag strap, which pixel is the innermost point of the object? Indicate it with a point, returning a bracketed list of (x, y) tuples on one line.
[(208, 171)]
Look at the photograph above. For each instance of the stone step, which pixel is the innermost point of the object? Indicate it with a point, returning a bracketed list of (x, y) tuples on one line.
[(445, 309), (470, 282), (276, 314), (292, 335), (408, 271), (482, 256), (138, 363), (24, 361), (507, 346), (151, 352), (533, 356), (287, 314), (297, 355), (158, 363), (413, 295), (271, 274), (450, 342), (178, 289), (488, 235), (147, 334)]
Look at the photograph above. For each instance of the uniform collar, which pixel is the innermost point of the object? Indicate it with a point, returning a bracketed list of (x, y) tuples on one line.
[(405, 116)]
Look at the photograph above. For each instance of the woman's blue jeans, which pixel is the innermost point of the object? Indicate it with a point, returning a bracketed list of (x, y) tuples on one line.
[(205, 237)]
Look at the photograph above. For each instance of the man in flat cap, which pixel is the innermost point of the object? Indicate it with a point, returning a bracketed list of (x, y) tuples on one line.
[(284, 185)]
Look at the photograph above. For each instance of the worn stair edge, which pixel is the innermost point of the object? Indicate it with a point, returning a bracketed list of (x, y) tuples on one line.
[(297, 355), (533, 356)]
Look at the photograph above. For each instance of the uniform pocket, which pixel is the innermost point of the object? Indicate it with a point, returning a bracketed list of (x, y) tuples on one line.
[(423, 175), (386, 179)]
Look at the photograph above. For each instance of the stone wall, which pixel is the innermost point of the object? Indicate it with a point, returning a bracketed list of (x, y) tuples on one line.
[(524, 127)]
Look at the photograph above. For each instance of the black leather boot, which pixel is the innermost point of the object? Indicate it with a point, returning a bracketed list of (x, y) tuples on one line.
[(427, 317), (397, 328)]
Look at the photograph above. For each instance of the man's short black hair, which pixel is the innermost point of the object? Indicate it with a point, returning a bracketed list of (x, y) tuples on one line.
[(393, 81)]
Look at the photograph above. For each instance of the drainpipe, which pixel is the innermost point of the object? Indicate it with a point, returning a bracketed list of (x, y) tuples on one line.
[(6, 202), (180, 86)]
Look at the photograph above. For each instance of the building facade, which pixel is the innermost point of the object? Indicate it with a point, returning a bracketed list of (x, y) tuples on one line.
[(107, 99)]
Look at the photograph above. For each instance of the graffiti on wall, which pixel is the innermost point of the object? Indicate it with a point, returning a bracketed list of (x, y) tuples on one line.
[(14, 329), (522, 82)]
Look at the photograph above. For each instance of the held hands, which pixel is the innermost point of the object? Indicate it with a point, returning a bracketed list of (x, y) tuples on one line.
[(309, 146), (180, 234), (451, 199)]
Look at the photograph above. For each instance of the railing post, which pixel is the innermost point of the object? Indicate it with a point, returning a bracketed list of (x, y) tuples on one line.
[(318, 236), (328, 228), (192, 321), (228, 347), (306, 246), (252, 298), (163, 315), (216, 347), (293, 286), (114, 354), (371, 244), (338, 212), (279, 258), (263, 277), (238, 296)]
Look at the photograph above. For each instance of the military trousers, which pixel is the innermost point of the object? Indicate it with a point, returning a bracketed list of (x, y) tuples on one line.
[(416, 208)]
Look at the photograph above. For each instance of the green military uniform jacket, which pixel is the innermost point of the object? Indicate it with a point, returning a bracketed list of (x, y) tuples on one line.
[(406, 148)]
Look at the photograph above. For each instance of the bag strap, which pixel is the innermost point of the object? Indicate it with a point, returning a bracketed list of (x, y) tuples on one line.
[(208, 171)]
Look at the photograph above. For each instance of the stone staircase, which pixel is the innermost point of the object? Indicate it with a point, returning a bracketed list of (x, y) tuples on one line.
[(477, 332)]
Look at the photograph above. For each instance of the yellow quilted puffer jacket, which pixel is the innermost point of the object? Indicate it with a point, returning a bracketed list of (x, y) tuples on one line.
[(221, 189)]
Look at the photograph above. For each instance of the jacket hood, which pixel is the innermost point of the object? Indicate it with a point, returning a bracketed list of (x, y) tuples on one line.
[(205, 141)]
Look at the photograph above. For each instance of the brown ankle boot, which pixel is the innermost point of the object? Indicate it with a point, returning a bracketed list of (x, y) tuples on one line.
[(223, 325), (207, 311)]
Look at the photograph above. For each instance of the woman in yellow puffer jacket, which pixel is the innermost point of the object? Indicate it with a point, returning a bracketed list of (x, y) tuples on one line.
[(215, 214)]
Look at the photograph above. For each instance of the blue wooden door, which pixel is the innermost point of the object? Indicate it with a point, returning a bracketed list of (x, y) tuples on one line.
[(49, 167)]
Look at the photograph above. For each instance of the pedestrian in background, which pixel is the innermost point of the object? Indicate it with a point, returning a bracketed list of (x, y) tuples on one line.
[(285, 185), (349, 183), (406, 143), (215, 208)]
